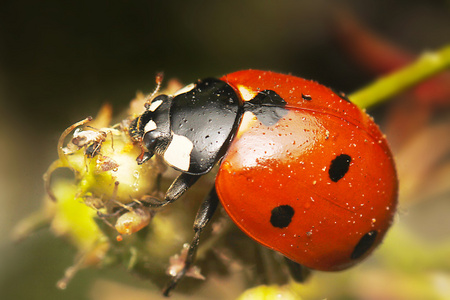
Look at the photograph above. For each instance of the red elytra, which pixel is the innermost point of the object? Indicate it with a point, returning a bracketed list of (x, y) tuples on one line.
[(319, 186)]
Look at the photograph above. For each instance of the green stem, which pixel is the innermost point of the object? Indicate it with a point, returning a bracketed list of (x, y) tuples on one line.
[(427, 65)]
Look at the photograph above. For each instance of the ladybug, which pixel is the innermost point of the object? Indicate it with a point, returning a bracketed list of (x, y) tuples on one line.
[(303, 171)]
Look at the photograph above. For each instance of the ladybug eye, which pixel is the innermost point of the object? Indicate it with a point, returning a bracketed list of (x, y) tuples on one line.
[(364, 244), (339, 167), (150, 139), (281, 216)]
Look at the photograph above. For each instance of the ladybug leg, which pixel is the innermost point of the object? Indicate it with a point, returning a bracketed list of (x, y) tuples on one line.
[(298, 272), (182, 183), (203, 217)]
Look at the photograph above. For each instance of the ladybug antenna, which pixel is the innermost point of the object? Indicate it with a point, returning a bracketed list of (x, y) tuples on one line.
[(158, 80)]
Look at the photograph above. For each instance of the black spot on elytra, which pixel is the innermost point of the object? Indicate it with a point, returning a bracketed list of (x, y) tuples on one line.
[(267, 106), (281, 216), (339, 167), (268, 98), (342, 95), (306, 97), (364, 244)]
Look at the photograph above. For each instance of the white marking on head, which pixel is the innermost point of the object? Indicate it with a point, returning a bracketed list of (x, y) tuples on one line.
[(154, 105), (151, 125), (246, 93), (178, 153), (184, 89)]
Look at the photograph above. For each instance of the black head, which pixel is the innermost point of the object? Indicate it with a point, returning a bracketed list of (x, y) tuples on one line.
[(152, 128)]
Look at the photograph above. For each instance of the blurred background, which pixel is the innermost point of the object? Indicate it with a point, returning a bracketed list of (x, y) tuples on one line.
[(60, 61)]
